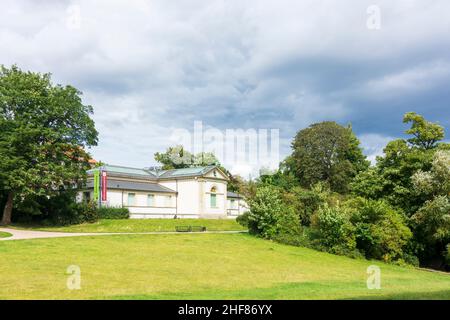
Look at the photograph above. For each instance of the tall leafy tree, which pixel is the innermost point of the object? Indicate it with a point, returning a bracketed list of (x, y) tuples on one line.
[(44, 129), (432, 220), (425, 134), (328, 152), (391, 178)]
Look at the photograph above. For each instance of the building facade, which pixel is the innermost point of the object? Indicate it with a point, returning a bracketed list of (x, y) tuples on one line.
[(179, 193)]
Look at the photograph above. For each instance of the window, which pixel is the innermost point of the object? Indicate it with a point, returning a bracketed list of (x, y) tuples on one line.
[(150, 200), (131, 199), (168, 201), (233, 204), (213, 200)]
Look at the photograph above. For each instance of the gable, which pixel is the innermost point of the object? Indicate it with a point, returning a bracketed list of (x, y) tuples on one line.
[(216, 173)]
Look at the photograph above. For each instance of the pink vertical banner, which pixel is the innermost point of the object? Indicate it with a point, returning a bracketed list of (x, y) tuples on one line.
[(104, 186)]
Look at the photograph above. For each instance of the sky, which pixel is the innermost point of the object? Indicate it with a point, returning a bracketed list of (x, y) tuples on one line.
[(151, 67)]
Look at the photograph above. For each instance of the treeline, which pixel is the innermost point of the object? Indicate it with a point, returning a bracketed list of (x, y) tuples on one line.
[(327, 196)]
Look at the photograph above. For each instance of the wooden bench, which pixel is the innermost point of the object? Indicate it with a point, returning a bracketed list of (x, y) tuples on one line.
[(190, 229)]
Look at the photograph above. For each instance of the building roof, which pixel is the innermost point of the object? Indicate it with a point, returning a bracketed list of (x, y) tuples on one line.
[(154, 175), (233, 195), (135, 186), (185, 172), (127, 171)]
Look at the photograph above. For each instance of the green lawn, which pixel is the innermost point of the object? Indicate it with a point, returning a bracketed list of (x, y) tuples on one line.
[(141, 225), (5, 234), (198, 266)]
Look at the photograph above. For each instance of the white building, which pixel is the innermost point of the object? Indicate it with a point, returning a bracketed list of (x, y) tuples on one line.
[(180, 193)]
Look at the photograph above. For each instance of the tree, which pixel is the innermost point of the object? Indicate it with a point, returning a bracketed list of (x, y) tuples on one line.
[(368, 184), (402, 159), (425, 134), (177, 158), (44, 129), (332, 230), (327, 152), (394, 172), (432, 229), (381, 231), (269, 215), (436, 181), (432, 220)]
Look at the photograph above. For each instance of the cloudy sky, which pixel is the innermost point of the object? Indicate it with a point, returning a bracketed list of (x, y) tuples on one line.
[(150, 67)]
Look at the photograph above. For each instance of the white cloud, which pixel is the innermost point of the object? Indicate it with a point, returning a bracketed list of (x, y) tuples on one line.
[(418, 78), (373, 145)]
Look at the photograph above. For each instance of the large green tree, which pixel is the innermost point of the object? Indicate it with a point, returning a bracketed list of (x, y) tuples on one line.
[(328, 152), (432, 220), (44, 129), (391, 179), (425, 134)]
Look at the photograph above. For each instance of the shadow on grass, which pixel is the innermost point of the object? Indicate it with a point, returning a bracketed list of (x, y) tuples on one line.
[(5, 234), (298, 291)]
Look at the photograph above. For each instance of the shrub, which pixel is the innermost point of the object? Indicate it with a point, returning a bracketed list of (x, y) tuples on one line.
[(113, 213), (305, 202), (265, 208), (59, 209), (332, 231), (243, 219), (75, 214), (269, 215), (432, 229), (381, 231), (433, 220)]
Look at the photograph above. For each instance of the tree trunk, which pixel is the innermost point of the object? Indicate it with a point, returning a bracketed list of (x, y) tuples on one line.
[(7, 212)]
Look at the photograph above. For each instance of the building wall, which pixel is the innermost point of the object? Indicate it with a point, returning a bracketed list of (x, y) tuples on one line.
[(188, 195), (237, 208), (220, 210), (193, 199)]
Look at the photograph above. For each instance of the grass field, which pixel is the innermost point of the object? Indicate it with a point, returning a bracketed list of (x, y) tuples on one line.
[(198, 266), (5, 234), (147, 225)]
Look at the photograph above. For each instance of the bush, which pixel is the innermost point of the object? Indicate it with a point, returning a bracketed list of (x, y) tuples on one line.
[(306, 203), (432, 229), (113, 213), (243, 219), (75, 214), (265, 209), (270, 217), (333, 232), (59, 209), (381, 231)]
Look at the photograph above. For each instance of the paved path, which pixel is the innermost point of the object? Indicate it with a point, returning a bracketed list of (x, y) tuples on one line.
[(30, 234)]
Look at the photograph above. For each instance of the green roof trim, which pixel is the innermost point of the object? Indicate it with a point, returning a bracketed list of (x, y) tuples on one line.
[(124, 171), (155, 175), (185, 172)]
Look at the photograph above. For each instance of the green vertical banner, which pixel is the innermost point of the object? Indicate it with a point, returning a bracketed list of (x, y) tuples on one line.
[(96, 185)]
